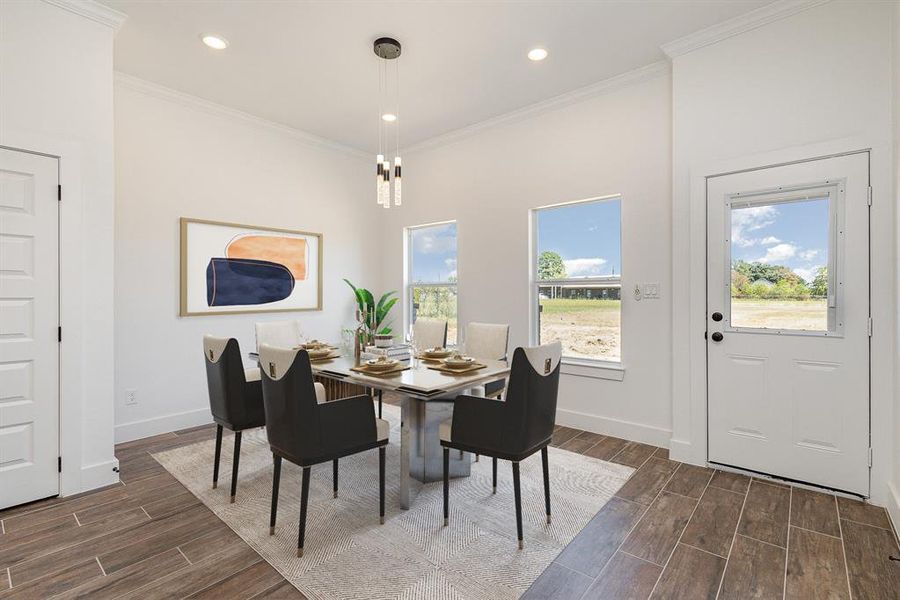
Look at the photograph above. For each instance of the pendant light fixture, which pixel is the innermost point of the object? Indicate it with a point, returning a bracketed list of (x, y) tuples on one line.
[(388, 49)]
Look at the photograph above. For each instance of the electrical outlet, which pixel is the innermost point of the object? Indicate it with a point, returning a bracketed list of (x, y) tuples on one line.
[(131, 396)]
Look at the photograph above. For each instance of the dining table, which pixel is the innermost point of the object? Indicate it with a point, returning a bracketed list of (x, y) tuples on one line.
[(427, 396)]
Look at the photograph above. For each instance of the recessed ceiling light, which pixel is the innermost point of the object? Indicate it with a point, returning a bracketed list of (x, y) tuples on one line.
[(390, 118), (214, 42), (537, 54)]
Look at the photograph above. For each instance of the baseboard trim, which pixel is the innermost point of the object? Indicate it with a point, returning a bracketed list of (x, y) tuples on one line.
[(893, 508), (684, 452), (135, 430), (637, 432), (99, 475)]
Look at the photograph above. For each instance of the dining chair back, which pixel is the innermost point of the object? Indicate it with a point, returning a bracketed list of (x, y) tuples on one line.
[(289, 396), (487, 340), (429, 333), (281, 334), (531, 398)]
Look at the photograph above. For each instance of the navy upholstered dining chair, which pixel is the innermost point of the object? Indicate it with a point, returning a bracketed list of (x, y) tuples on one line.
[(510, 429), (235, 398), (305, 430)]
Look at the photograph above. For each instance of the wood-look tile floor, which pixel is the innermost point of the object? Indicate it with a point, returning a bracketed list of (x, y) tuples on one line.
[(673, 531), (680, 531)]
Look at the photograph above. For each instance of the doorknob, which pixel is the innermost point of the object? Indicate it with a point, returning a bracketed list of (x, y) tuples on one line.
[(717, 336), (717, 316)]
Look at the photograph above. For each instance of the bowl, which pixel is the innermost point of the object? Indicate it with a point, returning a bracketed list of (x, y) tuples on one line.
[(379, 364), (456, 362)]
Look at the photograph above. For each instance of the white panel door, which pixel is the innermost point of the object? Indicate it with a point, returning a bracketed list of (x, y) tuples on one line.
[(29, 318), (788, 321)]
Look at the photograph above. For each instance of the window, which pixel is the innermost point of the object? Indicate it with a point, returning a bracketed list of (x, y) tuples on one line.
[(782, 263), (431, 278), (577, 285)]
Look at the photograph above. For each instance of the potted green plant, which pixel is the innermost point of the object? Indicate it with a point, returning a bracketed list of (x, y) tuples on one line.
[(373, 314)]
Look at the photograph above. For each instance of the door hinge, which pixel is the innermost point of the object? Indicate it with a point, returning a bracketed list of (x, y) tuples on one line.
[(870, 457), (59, 334), (871, 326), (869, 199), (59, 464), (59, 193)]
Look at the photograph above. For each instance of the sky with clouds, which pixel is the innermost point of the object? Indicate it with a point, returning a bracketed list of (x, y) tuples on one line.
[(586, 235), (792, 234), (434, 253)]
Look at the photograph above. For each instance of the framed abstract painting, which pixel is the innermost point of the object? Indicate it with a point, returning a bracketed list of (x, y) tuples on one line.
[(228, 268)]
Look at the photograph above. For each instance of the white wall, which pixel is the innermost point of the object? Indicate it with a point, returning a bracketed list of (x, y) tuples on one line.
[(820, 75), (616, 143), (178, 157), (56, 98)]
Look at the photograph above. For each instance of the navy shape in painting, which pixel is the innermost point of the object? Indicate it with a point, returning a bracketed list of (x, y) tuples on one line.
[(244, 281)]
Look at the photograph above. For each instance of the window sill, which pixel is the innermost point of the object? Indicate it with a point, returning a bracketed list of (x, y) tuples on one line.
[(593, 369)]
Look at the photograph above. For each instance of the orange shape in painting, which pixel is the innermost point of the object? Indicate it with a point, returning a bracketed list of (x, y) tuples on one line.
[(287, 251)]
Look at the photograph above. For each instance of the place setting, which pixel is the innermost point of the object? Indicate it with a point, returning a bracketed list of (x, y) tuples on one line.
[(320, 351), (455, 364), (383, 366)]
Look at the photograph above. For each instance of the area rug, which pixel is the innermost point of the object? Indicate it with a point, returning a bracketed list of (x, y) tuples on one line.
[(348, 554)]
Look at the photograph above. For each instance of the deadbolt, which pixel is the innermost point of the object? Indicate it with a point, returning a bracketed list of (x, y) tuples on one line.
[(717, 316)]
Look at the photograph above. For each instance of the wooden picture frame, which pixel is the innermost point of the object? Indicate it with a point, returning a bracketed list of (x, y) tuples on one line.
[(223, 264)]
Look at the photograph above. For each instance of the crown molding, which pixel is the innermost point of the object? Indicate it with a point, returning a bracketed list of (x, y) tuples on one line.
[(90, 9), (162, 92), (741, 24), (593, 90)]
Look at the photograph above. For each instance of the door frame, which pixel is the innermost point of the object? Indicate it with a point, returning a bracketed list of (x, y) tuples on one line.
[(75, 476), (689, 393)]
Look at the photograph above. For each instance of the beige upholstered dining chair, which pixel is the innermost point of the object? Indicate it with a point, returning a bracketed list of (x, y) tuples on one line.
[(281, 334), (487, 340), (429, 333)]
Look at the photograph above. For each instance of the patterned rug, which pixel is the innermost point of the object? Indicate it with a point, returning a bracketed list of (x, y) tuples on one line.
[(349, 555)]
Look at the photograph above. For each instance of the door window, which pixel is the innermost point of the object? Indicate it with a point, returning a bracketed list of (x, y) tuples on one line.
[(782, 250)]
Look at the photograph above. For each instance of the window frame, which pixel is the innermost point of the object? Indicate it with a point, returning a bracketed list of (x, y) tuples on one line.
[(409, 283), (576, 364), (833, 191)]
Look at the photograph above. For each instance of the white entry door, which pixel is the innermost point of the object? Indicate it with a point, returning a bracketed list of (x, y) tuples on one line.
[(29, 318), (788, 321)]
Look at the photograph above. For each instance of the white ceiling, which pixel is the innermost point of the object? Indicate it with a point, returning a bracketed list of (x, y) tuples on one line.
[(310, 65)]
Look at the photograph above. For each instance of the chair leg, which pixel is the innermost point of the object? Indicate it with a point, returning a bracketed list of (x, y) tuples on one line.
[(518, 493), (460, 454), (304, 499), (545, 460), (379, 403), (334, 476), (234, 464), (495, 475), (218, 455), (477, 458), (381, 459), (446, 486), (276, 482)]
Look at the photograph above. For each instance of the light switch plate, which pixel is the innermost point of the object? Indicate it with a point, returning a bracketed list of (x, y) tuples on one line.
[(650, 291)]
